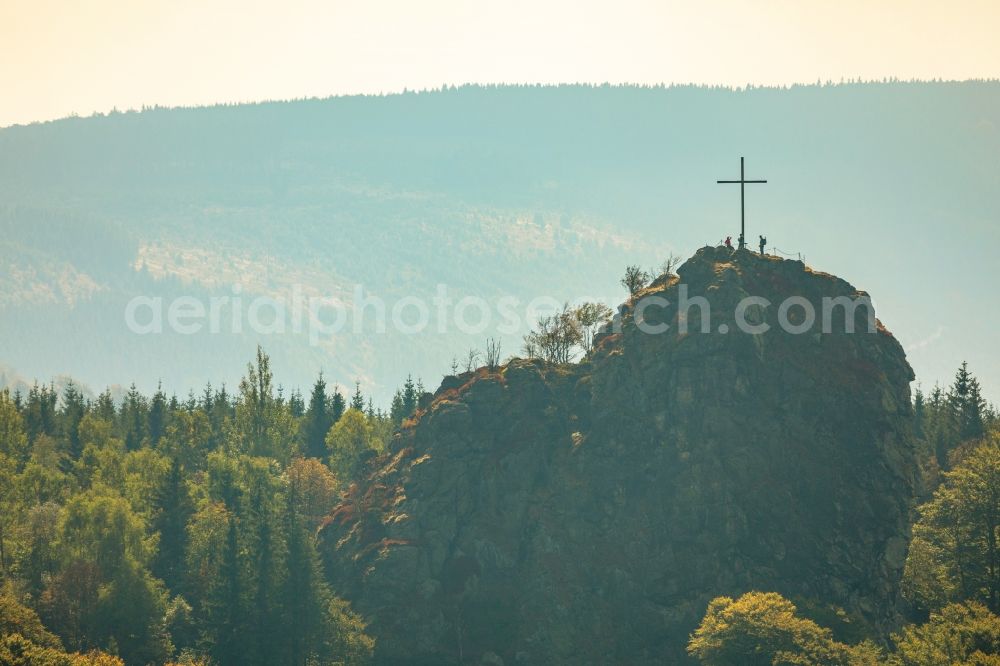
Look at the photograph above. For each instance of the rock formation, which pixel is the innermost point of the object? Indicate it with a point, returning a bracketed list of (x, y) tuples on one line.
[(586, 513)]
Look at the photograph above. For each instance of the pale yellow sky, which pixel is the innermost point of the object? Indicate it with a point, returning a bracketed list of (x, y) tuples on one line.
[(60, 57)]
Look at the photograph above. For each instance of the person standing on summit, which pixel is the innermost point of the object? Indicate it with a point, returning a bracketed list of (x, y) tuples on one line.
[(729, 242), (763, 242)]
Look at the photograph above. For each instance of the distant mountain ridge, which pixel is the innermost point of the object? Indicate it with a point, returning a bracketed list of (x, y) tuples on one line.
[(519, 191)]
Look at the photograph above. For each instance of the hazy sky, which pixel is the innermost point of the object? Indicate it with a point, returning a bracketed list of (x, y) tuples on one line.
[(63, 56)]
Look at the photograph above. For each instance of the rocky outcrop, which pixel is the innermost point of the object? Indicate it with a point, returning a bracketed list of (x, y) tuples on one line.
[(586, 513)]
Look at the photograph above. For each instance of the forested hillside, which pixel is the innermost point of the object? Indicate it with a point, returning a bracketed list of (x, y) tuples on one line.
[(160, 530)]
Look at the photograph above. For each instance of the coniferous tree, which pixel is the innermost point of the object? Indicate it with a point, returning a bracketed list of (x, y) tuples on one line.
[(157, 416), (207, 398), (967, 405), (104, 409), (173, 509), (13, 452), (259, 513), (358, 400), (262, 425), (396, 410), (220, 416), (305, 596), (404, 403), (317, 421), (226, 608), (133, 419), (40, 412), (296, 406), (191, 403), (939, 427), (919, 414), (337, 405), (72, 413)]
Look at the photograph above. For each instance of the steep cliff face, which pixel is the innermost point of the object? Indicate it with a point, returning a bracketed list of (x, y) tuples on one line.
[(586, 513)]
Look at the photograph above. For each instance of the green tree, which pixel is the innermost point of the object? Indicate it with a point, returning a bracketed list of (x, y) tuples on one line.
[(296, 407), (261, 519), (337, 405), (99, 526), (207, 532), (262, 426), (157, 416), (314, 489), (24, 641), (967, 405), (591, 317), (305, 595), (103, 456), (40, 412), (318, 421), (131, 608), (634, 279), (173, 510), (349, 442), (764, 628), (133, 417), (404, 402), (188, 439), (225, 608), (966, 634), (104, 408), (556, 337), (73, 411), (955, 553), (16, 618), (358, 399), (13, 453)]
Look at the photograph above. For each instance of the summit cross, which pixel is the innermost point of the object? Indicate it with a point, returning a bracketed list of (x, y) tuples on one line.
[(742, 181)]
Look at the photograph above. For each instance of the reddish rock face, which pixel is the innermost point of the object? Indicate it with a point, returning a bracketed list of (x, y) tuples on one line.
[(587, 513)]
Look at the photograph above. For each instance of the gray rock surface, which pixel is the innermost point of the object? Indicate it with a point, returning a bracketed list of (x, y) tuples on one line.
[(587, 513)]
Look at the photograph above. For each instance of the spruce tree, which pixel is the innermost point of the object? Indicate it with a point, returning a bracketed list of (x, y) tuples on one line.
[(157, 416), (305, 595), (317, 421), (337, 405), (358, 400), (226, 608), (104, 409), (133, 419), (40, 412), (397, 412), (173, 509), (72, 413), (919, 414), (410, 396), (296, 406), (967, 405)]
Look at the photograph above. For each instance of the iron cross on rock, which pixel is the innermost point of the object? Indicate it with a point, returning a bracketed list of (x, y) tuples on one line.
[(742, 181)]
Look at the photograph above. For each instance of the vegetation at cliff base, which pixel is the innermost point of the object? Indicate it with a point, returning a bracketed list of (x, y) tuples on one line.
[(951, 582)]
